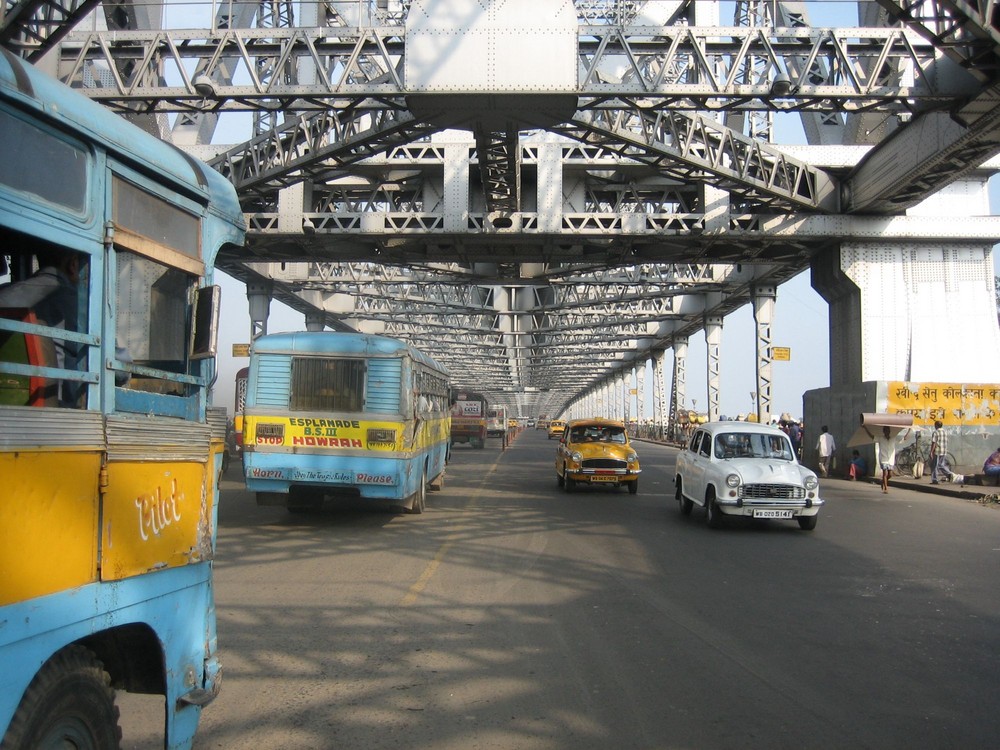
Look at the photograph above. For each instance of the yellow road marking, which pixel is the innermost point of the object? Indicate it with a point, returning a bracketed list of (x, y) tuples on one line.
[(421, 583)]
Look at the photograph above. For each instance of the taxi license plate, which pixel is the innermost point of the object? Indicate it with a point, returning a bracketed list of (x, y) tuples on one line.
[(604, 479), (768, 513)]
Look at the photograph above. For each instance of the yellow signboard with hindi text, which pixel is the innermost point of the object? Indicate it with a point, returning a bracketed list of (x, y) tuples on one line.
[(952, 403)]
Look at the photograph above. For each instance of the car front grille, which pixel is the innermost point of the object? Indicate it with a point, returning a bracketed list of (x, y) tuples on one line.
[(604, 463), (772, 492)]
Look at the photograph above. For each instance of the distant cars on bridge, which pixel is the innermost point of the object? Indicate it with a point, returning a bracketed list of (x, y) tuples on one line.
[(598, 452), (555, 428), (745, 469)]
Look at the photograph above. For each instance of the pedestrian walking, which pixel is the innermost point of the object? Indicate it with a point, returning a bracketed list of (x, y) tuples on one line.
[(826, 446), (940, 468), (886, 444)]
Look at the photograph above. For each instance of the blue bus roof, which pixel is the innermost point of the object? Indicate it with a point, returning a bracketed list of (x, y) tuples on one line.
[(337, 342), (71, 111)]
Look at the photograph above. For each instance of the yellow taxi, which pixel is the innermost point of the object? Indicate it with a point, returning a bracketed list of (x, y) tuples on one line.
[(556, 427), (596, 451)]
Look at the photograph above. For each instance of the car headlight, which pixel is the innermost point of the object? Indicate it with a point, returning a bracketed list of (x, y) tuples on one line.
[(576, 457), (733, 480), (811, 482), (631, 458)]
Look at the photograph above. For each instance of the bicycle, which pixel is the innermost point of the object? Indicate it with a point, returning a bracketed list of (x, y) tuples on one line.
[(914, 459)]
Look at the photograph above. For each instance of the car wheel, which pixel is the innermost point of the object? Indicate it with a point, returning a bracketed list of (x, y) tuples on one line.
[(808, 523), (633, 487), (568, 484), (559, 480), (682, 501), (712, 514)]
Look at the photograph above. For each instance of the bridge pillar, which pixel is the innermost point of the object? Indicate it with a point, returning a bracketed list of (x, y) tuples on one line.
[(679, 387), (660, 407), (640, 395), (763, 298), (713, 346), (259, 297), (908, 312), (315, 321), (627, 380)]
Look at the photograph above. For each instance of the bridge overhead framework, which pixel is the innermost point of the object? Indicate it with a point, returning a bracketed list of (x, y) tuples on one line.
[(546, 196)]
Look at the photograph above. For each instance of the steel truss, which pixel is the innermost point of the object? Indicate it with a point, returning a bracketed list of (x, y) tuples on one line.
[(533, 293)]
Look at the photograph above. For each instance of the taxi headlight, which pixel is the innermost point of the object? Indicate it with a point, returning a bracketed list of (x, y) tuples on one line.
[(632, 458), (733, 480), (811, 482), (575, 457)]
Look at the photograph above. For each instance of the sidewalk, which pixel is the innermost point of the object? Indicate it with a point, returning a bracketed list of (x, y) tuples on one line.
[(948, 489)]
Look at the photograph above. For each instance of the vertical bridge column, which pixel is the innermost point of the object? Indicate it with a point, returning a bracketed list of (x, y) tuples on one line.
[(661, 415), (259, 297), (763, 298), (627, 379), (713, 342), (679, 387)]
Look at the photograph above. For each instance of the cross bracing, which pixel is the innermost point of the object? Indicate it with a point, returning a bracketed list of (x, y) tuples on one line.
[(565, 235)]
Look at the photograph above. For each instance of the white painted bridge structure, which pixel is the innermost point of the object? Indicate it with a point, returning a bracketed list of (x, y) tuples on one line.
[(547, 195)]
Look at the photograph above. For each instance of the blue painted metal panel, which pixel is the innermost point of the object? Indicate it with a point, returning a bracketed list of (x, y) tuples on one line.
[(385, 383), (273, 379)]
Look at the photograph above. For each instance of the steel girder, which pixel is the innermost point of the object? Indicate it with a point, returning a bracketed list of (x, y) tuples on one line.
[(633, 80), (30, 28), (671, 67)]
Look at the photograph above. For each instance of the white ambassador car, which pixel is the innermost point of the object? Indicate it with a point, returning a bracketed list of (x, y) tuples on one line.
[(745, 469)]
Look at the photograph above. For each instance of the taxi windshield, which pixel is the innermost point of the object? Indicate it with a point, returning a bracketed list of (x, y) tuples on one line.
[(598, 434)]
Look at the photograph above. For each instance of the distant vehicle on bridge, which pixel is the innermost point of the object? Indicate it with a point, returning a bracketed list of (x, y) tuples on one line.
[(108, 455), (242, 376), (468, 419), (496, 421), (343, 415)]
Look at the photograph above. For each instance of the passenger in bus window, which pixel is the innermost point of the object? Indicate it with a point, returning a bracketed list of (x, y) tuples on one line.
[(52, 294)]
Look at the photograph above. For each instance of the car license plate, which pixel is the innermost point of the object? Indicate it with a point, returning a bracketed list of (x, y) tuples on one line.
[(604, 479), (769, 513)]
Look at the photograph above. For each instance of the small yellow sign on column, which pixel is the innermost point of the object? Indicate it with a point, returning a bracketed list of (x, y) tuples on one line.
[(781, 353), (241, 350)]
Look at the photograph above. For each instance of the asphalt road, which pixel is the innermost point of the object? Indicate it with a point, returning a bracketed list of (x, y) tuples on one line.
[(511, 615)]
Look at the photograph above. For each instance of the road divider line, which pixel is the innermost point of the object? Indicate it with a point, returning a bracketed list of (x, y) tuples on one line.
[(421, 583)]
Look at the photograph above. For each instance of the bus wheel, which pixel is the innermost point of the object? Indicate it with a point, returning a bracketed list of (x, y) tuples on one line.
[(420, 496), (69, 703)]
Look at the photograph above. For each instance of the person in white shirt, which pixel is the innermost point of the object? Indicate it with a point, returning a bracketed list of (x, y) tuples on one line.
[(826, 446)]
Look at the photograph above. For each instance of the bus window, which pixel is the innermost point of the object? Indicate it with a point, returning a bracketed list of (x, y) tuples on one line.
[(327, 385), (153, 319), (45, 289)]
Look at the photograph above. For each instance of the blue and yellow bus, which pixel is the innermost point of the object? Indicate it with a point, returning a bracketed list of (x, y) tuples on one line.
[(343, 415), (108, 321)]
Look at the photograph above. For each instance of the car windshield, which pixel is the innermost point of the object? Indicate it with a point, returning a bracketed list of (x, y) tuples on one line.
[(597, 434), (752, 445)]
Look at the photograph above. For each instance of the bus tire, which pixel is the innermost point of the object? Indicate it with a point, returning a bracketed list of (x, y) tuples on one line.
[(419, 502), (69, 702)]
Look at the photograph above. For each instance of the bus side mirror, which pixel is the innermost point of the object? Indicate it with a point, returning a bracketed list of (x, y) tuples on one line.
[(205, 327)]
